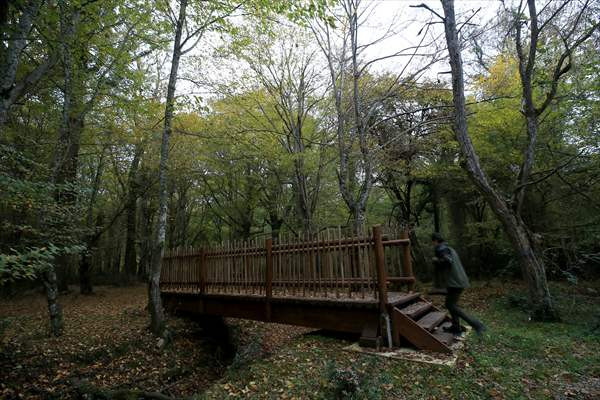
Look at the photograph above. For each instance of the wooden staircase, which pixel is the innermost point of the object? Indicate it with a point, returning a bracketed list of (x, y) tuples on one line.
[(420, 323)]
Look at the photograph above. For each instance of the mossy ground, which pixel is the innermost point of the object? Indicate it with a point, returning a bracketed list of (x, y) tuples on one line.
[(107, 345), (515, 359)]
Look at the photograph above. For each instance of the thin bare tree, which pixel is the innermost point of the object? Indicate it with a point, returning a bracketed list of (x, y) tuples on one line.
[(356, 109), (507, 211), (194, 28), (290, 73)]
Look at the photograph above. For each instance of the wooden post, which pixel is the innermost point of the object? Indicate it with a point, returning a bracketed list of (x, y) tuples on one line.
[(202, 269), (380, 265), (407, 260), (269, 276)]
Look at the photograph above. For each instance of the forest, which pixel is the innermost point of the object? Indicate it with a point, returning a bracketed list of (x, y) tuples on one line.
[(131, 129)]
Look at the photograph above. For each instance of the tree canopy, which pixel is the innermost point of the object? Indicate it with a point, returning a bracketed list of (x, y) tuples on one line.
[(129, 127)]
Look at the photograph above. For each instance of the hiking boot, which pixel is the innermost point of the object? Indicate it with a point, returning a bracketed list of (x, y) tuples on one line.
[(480, 329), (454, 330)]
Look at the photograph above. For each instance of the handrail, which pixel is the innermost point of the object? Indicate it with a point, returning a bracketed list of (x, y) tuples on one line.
[(349, 265), (292, 247)]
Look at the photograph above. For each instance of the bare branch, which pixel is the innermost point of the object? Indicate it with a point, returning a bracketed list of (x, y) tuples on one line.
[(560, 70), (425, 6), (551, 173)]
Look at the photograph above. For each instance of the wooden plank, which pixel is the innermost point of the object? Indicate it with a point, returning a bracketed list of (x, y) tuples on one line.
[(283, 261), (269, 269), (431, 320), (287, 247), (324, 316), (329, 261), (320, 264), (202, 272), (254, 270), (444, 337), (269, 276), (304, 276), (415, 310), (397, 300), (396, 242), (380, 265), (407, 260), (282, 266), (341, 257), (333, 243), (335, 262), (370, 336), (416, 335)]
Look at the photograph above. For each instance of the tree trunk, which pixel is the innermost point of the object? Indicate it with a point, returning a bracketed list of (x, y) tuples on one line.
[(435, 203), (65, 162), (11, 58), (85, 273), (419, 257), (85, 264), (457, 227), (146, 238), (54, 309), (157, 316), (354, 194), (302, 198), (275, 223), (116, 255), (131, 218), (357, 217), (360, 127), (62, 269), (542, 307)]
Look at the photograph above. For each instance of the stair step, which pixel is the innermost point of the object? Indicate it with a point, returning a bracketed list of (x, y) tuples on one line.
[(446, 324), (417, 309), (412, 332), (431, 320), (399, 299), (444, 337)]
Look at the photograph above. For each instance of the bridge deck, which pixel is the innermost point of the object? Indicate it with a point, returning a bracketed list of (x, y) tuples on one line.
[(354, 300), (348, 284)]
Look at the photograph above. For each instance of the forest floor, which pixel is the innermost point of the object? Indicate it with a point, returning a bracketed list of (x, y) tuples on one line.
[(106, 345)]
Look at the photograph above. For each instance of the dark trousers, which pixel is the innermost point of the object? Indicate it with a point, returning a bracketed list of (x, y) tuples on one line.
[(456, 312)]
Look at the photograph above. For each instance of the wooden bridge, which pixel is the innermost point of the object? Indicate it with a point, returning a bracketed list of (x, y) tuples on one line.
[(349, 283)]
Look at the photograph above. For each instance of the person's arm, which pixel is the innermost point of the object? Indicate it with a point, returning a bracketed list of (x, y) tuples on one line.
[(443, 256)]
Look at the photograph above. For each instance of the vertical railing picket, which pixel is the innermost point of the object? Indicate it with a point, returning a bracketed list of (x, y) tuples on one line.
[(361, 264), (283, 264), (319, 263), (336, 263), (328, 276), (380, 264), (253, 266), (304, 277), (190, 270), (201, 270), (292, 254), (269, 275)]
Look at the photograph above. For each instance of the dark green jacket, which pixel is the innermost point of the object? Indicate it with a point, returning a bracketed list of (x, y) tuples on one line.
[(449, 268)]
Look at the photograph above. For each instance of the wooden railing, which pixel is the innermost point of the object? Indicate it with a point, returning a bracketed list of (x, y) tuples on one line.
[(329, 265)]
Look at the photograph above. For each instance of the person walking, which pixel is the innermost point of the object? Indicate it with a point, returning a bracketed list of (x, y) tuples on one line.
[(452, 276)]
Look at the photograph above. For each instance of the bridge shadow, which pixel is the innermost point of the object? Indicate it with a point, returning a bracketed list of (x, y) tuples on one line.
[(215, 335), (325, 333)]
